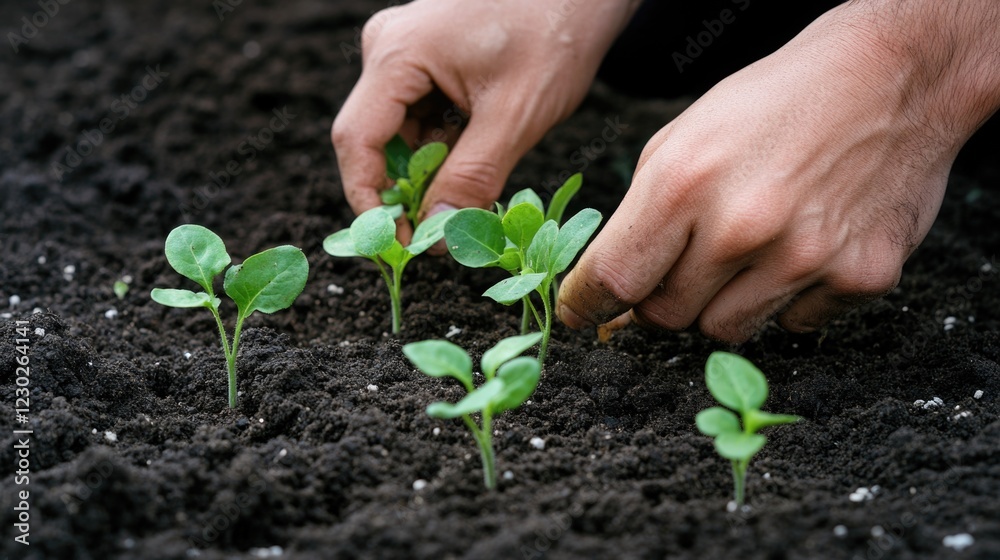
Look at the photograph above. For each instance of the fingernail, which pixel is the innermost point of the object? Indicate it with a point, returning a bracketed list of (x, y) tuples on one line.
[(437, 209), (571, 319)]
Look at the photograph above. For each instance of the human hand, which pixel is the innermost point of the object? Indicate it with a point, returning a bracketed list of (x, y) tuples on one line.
[(517, 68), (798, 186)]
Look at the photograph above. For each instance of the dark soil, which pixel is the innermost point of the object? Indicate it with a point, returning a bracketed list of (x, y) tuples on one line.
[(134, 453)]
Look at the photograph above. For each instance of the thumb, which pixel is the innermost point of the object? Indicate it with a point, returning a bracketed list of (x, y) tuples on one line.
[(474, 173)]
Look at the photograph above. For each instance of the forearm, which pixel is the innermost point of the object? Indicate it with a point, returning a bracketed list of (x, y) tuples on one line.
[(944, 54)]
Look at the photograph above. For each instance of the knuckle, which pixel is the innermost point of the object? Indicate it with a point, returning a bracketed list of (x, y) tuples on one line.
[(608, 274), (655, 314), (482, 179), (722, 330), (864, 281)]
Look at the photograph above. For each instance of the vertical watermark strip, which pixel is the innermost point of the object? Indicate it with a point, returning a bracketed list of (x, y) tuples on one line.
[(22, 437)]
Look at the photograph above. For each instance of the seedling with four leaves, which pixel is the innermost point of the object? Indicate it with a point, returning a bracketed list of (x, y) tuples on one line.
[(267, 282), (510, 380), (736, 383), (527, 241), (372, 235)]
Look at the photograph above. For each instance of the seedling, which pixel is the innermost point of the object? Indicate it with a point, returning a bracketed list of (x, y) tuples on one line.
[(267, 282), (510, 380), (736, 383), (412, 172), (527, 241), (120, 288), (373, 236)]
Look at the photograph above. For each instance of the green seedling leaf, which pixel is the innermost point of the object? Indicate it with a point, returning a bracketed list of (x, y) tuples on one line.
[(395, 210), (395, 256), (397, 157), (520, 378), (340, 244), (120, 288), (500, 209), (268, 281), (572, 236), (477, 400), (429, 232), (541, 246), (475, 237), (425, 162), (717, 420), (527, 195), (505, 350), (183, 298), (562, 197), (510, 260), (739, 446), (393, 196), (373, 232), (757, 419), (406, 189), (439, 358), (196, 253), (735, 382), (521, 222), (510, 291)]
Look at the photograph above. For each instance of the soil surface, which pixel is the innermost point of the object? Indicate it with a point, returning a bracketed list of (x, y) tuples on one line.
[(134, 453)]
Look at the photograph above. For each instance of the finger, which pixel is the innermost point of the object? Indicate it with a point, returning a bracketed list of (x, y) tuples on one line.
[(475, 171), (373, 113), (634, 251), (815, 308), (745, 304)]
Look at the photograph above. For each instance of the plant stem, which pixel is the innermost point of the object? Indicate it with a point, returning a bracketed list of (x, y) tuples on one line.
[(230, 355), (547, 328), (395, 294), (234, 352), (525, 315), (484, 440), (739, 480)]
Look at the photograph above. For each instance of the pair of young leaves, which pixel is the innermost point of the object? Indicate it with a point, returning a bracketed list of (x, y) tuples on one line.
[(267, 282), (736, 383), (510, 379), (412, 172), (526, 240), (373, 235)]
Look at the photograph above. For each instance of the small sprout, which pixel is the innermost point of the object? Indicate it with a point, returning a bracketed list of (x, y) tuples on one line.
[(527, 241), (120, 288), (510, 380), (413, 172), (267, 282), (736, 383), (373, 236)]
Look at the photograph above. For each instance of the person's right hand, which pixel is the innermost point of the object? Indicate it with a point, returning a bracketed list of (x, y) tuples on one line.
[(516, 68)]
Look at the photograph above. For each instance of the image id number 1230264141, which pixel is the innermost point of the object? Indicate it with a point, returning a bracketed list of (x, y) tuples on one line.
[(22, 437)]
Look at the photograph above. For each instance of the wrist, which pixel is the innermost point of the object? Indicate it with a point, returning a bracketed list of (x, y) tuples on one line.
[(943, 57)]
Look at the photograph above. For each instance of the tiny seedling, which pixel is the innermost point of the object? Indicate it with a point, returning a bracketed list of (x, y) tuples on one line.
[(120, 288), (373, 236), (736, 383), (412, 172), (526, 240), (510, 380), (267, 282)]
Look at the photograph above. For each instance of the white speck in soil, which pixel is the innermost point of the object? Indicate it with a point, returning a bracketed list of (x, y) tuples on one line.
[(767, 476), (14, 300), (111, 436), (958, 542), (795, 345), (690, 383), (39, 331), (436, 431), (94, 431), (36, 311), (731, 507), (862, 494), (192, 553), (282, 453), (986, 267), (251, 49), (972, 319), (960, 415), (453, 331), (128, 543), (111, 313), (508, 475), (978, 394), (537, 442), (950, 320), (334, 289), (6, 316), (877, 531), (267, 552), (372, 388), (127, 278), (261, 420), (187, 355), (905, 309), (419, 484), (840, 531)]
